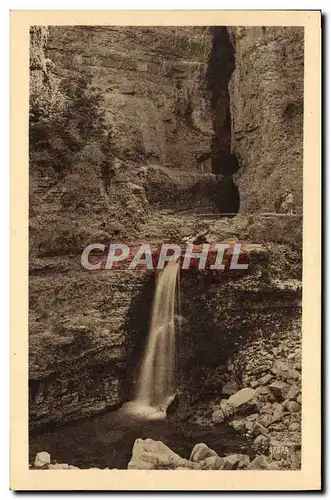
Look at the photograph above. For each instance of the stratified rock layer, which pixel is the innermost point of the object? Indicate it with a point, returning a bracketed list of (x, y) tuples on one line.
[(266, 95)]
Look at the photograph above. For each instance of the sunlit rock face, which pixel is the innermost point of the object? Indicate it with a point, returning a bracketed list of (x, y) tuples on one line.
[(266, 95)]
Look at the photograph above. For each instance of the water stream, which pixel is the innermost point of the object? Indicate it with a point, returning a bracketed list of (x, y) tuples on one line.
[(155, 386)]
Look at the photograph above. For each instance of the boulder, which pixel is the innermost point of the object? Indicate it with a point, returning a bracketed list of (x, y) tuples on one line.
[(279, 389), (236, 461), (149, 454), (201, 451), (293, 406), (42, 459), (241, 397), (293, 392), (212, 463), (278, 413), (244, 401), (262, 462)]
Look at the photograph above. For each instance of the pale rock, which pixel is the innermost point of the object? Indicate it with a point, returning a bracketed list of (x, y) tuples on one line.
[(236, 461), (266, 379), (149, 454), (58, 466), (254, 384), (261, 462), (201, 451), (293, 392), (238, 425), (258, 428), (267, 408), (212, 463), (299, 399), (228, 409), (72, 467), (243, 396), (293, 406), (218, 417), (42, 459)]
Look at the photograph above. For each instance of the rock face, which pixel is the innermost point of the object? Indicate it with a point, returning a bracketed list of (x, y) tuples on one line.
[(171, 120), (266, 95), (153, 82)]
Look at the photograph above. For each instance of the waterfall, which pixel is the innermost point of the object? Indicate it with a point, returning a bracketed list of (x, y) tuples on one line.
[(155, 386), (156, 379)]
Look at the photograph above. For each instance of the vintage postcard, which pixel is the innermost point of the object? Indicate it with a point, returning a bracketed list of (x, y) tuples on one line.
[(165, 239)]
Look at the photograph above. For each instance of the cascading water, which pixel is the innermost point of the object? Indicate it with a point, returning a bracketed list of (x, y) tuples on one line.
[(155, 387)]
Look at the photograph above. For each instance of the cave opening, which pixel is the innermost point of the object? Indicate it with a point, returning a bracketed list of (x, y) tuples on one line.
[(224, 162)]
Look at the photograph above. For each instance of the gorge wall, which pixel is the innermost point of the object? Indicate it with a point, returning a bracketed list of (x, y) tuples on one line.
[(266, 95), (177, 135)]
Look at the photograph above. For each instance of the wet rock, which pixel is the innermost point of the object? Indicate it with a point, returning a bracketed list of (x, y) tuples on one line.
[(279, 389), (243, 396), (201, 451), (42, 459), (236, 461)]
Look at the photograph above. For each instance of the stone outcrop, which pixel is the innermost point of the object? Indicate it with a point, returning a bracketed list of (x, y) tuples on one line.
[(266, 96)]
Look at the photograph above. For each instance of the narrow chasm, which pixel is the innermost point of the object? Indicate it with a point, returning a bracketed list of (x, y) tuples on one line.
[(224, 162)]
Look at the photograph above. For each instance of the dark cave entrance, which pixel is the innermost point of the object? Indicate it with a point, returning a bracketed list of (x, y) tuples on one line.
[(224, 162)]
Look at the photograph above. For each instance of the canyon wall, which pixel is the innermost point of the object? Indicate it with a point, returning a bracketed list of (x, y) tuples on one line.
[(167, 145), (266, 94)]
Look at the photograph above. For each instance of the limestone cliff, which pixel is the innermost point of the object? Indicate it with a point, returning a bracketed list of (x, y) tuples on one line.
[(170, 122), (266, 95)]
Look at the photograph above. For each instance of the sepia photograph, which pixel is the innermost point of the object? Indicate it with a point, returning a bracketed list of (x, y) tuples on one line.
[(165, 247)]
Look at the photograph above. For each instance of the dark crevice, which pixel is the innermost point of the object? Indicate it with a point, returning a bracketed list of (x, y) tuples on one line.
[(224, 162)]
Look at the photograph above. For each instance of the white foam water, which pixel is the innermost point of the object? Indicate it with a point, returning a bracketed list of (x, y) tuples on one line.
[(155, 388)]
